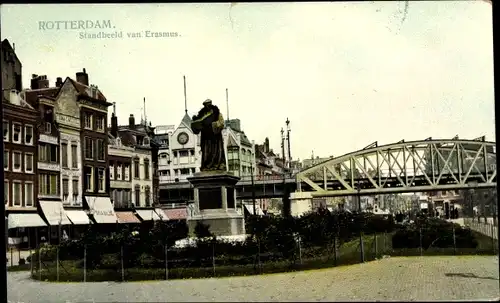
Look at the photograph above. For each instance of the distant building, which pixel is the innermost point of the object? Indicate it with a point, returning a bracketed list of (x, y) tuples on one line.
[(179, 157), (139, 171)]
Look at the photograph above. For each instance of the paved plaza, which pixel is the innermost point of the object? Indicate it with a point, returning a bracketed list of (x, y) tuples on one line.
[(405, 278)]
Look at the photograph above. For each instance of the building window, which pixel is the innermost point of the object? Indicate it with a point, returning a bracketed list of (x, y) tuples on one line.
[(102, 180), (64, 155), (65, 190), (74, 156), (136, 168), (111, 170), (16, 133), (28, 163), (29, 194), (89, 148), (100, 149), (47, 153), (119, 171), (75, 190), (146, 169), (183, 153), (6, 156), (48, 184), (137, 195), (148, 198), (6, 130), (184, 171), (16, 161), (127, 173), (100, 124), (6, 191), (16, 193), (88, 120), (53, 153), (89, 179), (28, 134)]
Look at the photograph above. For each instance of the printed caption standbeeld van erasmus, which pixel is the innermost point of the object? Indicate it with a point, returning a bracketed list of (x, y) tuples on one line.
[(101, 24)]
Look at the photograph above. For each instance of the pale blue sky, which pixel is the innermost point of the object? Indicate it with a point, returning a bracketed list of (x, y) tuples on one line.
[(345, 74)]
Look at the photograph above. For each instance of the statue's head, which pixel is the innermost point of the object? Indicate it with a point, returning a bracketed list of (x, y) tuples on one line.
[(207, 103)]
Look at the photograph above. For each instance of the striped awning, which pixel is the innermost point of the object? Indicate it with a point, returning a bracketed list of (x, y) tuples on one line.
[(25, 220), (148, 215), (78, 217), (127, 217)]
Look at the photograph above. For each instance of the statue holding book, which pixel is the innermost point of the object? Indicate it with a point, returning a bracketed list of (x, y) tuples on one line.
[(209, 122)]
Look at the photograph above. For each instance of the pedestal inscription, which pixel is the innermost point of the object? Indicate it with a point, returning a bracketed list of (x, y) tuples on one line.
[(215, 203)]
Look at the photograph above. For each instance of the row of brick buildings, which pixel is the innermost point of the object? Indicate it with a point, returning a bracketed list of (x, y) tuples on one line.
[(62, 158)]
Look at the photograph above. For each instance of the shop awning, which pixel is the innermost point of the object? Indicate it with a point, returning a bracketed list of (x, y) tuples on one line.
[(101, 209), (54, 213), (161, 214), (147, 214), (127, 217), (176, 213), (258, 210), (78, 217), (25, 220)]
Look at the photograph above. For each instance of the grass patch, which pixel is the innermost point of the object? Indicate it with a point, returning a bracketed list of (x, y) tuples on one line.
[(347, 254)]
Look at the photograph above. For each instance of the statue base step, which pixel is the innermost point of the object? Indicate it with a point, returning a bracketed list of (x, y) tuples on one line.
[(221, 222)]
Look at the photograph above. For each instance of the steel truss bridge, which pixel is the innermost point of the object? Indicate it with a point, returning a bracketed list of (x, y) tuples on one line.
[(415, 166)]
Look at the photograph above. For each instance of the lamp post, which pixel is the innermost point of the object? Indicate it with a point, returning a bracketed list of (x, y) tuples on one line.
[(253, 189), (361, 244)]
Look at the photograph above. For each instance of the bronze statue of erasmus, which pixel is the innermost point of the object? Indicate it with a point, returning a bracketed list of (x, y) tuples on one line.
[(209, 122)]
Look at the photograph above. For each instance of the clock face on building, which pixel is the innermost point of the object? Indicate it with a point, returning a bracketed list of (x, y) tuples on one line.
[(183, 138)]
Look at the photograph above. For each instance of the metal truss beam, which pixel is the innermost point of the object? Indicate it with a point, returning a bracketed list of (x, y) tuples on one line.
[(423, 165)]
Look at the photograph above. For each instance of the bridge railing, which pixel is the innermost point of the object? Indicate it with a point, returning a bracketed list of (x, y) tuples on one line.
[(260, 178)]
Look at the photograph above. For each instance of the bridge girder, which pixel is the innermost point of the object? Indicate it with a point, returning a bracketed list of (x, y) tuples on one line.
[(412, 166)]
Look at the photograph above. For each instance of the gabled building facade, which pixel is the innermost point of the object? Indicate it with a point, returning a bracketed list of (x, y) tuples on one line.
[(139, 138), (20, 153)]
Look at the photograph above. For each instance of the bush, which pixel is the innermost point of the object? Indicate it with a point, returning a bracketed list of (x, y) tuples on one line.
[(433, 232), (22, 261)]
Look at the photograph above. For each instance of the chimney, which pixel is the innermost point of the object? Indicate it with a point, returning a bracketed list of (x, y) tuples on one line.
[(266, 145), (131, 122), (114, 125), (82, 77), (34, 81), (59, 82), (43, 82)]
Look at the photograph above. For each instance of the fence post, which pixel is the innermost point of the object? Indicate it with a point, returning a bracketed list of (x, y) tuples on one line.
[(300, 249), (258, 256), (122, 265), (454, 240), (334, 250), (385, 242), (19, 254), (11, 256), (166, 262), (420, 236), (376, 245), (85, 263), (39, 263), (213, 256), (57, 262), (493, 238)]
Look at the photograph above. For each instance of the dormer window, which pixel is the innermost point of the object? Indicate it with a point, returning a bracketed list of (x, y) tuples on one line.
[(146, 141)]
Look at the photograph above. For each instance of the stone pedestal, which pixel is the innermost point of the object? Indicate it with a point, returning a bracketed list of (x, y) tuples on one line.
[(301, 203), (215, 204)]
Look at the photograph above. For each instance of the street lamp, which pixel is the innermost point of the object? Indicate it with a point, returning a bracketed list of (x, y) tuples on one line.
[(361, 244)]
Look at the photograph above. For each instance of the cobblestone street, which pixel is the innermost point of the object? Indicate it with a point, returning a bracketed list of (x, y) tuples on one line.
[(405, 278)]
